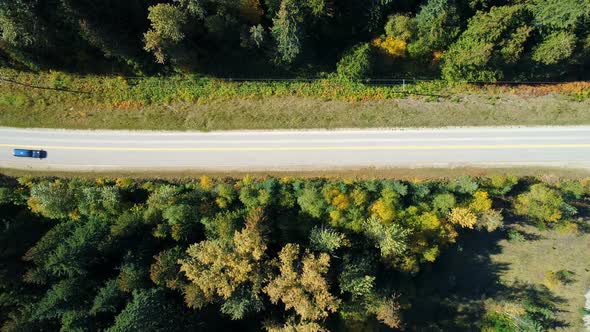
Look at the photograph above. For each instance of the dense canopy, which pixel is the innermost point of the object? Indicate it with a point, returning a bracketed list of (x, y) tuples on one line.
[(274, 254), (477, 40)]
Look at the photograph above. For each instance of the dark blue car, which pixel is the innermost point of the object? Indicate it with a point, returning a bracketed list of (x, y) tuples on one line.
[(30, 153)]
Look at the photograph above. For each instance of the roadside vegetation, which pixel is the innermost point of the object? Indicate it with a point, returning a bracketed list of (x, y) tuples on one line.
[(464, 253), (157, 64), (198, 103)]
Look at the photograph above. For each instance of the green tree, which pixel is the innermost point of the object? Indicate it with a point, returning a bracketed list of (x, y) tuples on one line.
[(53, 200), (286, 32), (555, 48), (117, 37), (133, 276), (64, 296), (312, 202), (491, 41), (356, 64), (555, 15), (21, 31), (401, 27), (182, 219), (100, 202), (443, 203), (327, 240), (166, 32), (109, 298), (391, 240), (151, 310), (463, 185), (437, 25)]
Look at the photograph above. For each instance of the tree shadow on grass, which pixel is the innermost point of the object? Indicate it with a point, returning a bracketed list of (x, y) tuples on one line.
[(450, 294)]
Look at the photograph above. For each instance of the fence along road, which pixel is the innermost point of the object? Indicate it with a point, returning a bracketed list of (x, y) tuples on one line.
[(297, 150)]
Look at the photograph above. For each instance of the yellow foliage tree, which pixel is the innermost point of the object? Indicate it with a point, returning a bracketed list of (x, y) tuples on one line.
[(390, 46), (383, 210), (206, 182), (306, 291), (481, 202), (341, 201), (389, 312), (463, 217), (217, 269)]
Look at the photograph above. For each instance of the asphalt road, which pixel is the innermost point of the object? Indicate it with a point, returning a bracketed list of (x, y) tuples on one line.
[(297, 150)]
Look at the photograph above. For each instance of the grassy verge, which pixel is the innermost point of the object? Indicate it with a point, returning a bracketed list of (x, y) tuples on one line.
[(191, 103), (355, 174)]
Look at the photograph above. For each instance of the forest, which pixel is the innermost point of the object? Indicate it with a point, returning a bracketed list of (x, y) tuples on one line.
[(277, 254), (456, 40)]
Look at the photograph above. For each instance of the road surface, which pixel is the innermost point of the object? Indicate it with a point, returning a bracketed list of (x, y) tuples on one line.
[(297, 150)]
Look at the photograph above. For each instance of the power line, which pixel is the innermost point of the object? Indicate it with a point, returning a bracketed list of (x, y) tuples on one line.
[(7, 80)]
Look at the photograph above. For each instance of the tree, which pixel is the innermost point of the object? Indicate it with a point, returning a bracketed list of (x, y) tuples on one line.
[(555, 15), (437, 25), (165, 271), (555, 48), (463, 217), (305, 290), (286, 32), (17, 23), (357, 282), (218, 269), (151, 310), (75, 254), (62, 297), (491, 41), (463, 185), (182, 219), (100, 202), (501, 185), (356, 63), (312, 202), (384, 207), (389, 312), (540, 204), (480, 202), (443, 203), (166, 30), (21, 31), (109, 298), (401, 27), (327, 240), (490, 220), (391, 239), (53, 200), (133, 275)]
